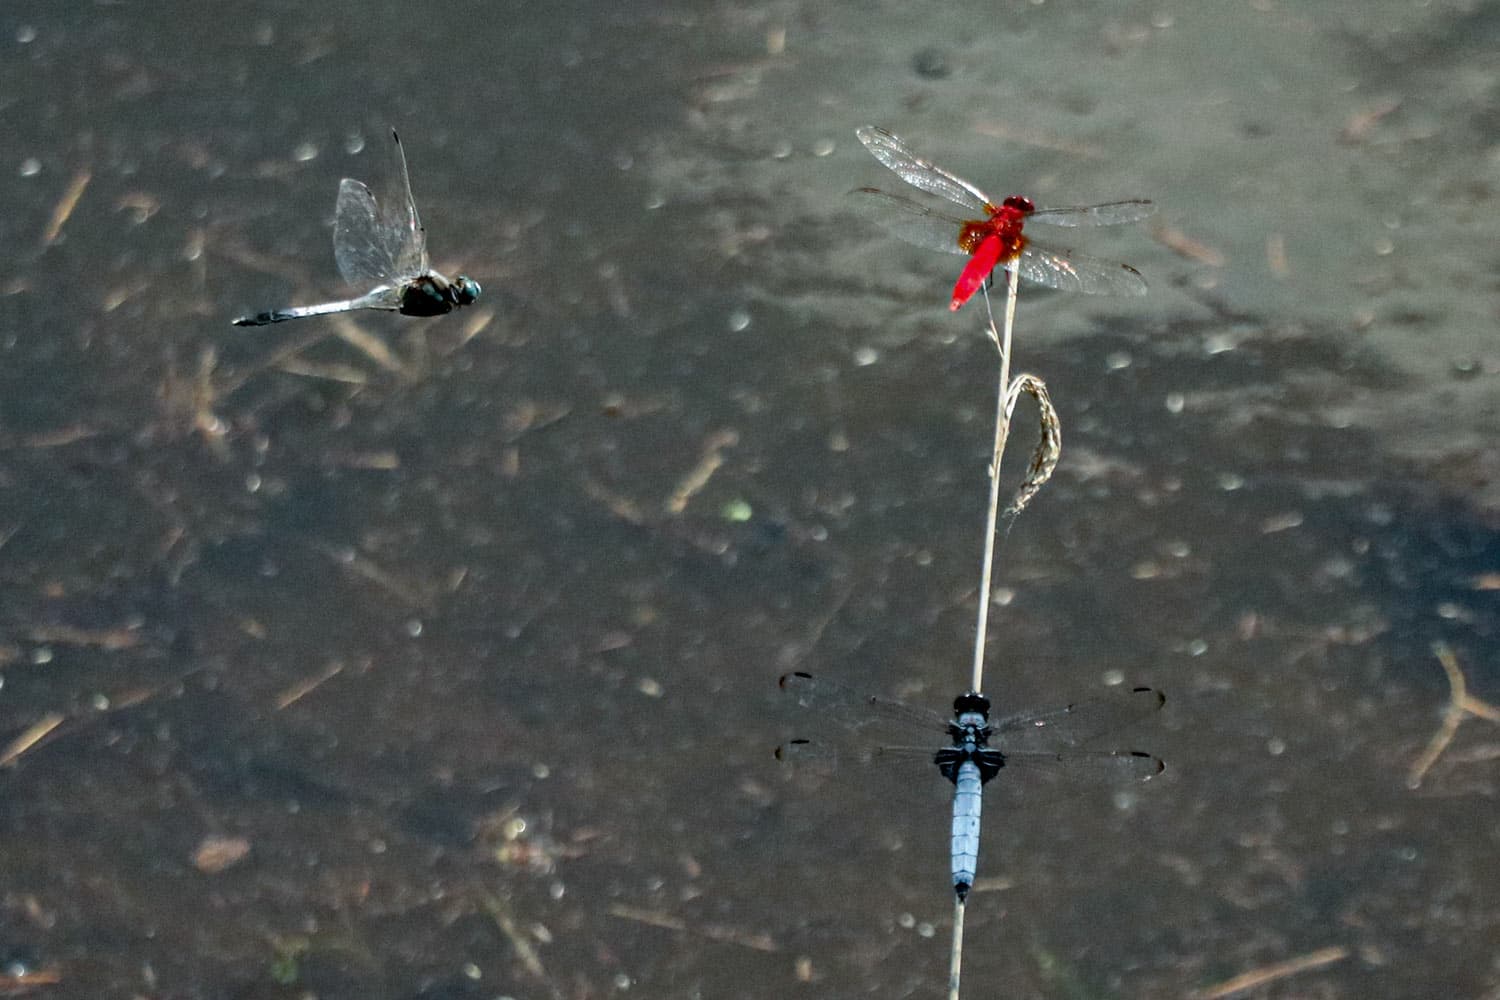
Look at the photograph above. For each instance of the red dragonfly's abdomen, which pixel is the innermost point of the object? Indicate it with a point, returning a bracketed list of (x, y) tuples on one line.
[(995, 241)]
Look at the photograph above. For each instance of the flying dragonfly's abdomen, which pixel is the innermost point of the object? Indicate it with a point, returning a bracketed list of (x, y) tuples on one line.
[(968, 799)]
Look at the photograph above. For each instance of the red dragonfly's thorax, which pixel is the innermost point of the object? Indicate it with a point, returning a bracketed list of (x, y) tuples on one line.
[(1004, 224)]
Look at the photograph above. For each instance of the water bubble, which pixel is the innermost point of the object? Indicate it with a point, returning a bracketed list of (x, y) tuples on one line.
[(739, 320)]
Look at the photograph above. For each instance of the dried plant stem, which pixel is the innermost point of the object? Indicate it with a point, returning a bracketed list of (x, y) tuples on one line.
[(1002, 431), (1460, 704), (956, 958)]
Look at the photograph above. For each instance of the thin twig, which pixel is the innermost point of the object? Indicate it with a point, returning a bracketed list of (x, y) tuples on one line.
[(525, 951), (695, 480), (956, 957), (1270, 973), (714, 932), (34, 734), (64, 208), (1002, 431), (1460, 704), (308, 685)]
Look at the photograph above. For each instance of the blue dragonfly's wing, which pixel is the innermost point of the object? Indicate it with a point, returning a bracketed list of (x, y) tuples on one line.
[(1076, 724), (852, 727), (1087, 767)]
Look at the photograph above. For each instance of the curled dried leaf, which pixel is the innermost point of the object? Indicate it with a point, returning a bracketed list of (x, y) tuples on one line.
[(1049, 443)]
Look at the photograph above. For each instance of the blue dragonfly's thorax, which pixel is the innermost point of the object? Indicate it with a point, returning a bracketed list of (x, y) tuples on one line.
[(970, 733)]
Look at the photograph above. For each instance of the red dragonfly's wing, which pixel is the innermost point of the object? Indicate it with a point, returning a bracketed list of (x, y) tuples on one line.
[(1073, 272), (1109, 214), (920, 173), (914, 223)]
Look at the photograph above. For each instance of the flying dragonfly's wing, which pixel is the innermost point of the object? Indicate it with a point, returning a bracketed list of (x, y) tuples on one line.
[(1112, 213), (411, 250), (914, 223), (920, 173), (1073, 725), (1075, 272), (362, 246), (379, 242)]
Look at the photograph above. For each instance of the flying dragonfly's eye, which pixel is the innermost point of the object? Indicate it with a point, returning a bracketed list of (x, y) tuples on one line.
[(466, 290)]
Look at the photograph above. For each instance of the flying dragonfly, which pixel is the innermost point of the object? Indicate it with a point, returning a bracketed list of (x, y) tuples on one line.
[(998, 239), (381, 246), (1030, 741)]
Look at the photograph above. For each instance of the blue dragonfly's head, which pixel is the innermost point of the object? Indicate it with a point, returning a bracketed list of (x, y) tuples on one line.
[(465, 290)]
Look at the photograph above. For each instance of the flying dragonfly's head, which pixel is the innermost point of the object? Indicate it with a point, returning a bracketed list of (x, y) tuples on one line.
[(465, 290)]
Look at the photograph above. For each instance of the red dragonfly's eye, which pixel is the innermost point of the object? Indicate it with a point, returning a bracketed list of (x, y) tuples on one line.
[(1020, 203)]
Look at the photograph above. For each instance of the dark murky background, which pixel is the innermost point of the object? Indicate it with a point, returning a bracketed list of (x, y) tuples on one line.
[(414, 618)]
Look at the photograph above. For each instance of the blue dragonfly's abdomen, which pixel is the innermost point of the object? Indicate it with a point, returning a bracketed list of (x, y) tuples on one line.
[(968, 801)]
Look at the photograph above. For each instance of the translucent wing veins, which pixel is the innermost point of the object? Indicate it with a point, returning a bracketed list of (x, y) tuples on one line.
[(921, 173), (411, 259), (378, 244)]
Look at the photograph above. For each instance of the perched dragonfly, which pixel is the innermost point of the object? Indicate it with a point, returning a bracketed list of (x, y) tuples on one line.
[(1029, 741), (997, 239), (383, 248)]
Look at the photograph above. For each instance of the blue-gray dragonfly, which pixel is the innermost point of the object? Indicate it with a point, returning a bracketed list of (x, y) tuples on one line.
[(382, 248), (977, 749)]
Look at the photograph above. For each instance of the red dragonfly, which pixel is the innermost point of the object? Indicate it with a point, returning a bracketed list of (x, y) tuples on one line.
[(997, 239)]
